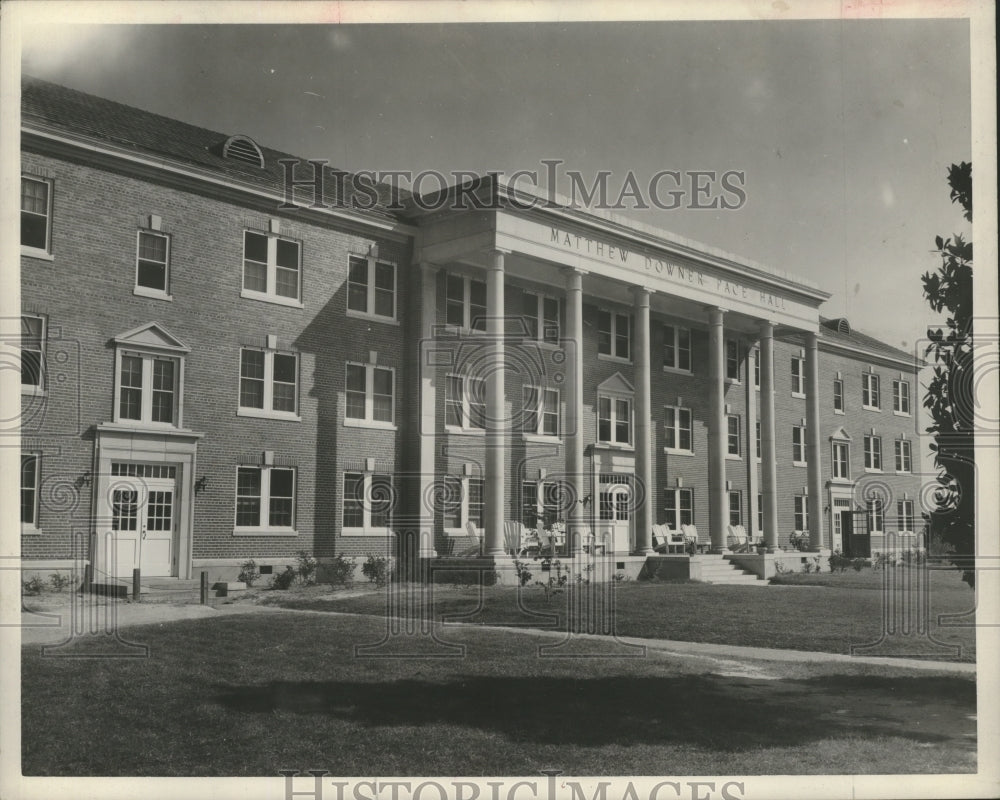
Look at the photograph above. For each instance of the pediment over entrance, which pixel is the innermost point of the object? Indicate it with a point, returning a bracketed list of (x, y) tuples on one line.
[(840, 435), (152, 335), (616, 384)]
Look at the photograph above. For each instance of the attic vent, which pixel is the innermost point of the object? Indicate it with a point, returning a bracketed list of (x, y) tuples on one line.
[(843, 326), (243, 148)]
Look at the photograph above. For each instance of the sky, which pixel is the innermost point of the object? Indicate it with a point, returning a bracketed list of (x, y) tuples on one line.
[(844, 129)]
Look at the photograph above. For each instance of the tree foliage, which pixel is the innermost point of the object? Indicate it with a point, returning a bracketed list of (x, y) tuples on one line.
[(950, 397)]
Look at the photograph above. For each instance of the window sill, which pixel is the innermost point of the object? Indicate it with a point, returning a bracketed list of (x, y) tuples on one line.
[(274, 299), (32, 391), (258, 413), (873, 470), (835, 411), (265, 532), (152, 294), (378, 532), (614, 446), (733, 381), (678, 371), (876, 409), (903, 472), (35, 252), (464, 431), (614, 359), (30, 530), (800, 464), (351, 422), (901, 413), (842, 481), (541, 438), (676, 452), (799, 395), (371, 317), (731, 457)]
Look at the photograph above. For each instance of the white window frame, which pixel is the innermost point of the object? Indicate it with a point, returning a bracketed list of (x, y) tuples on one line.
[(736, 494), (466, 326), (146, 405), (462, 529), (901, 397), (543, 326), (800, 513), (799, 379), (270, 295), (904, 514), (873, 452), (148, 291), (44, 253), (672, 343), (876, 515), (366, 529), (871, 389), (540, 413), (369, 420), (677, 428), (799, 447), (268, 412), (613, 398), (838, 383), (738, 437), (41, 387), (32, 526), (614, 315), (903, 456), (726, 361), (369, 312), (265, 503), (677, 493), (466, 426), (757, 441), (839, 443)]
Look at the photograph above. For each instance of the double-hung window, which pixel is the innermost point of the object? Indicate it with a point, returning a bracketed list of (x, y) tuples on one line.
[(798, 377), (371, 288), (614, 335), (36, 216), (272, 268), (465, 403), (876, 515), (152, 264), (733, 435), (901, 397), (801, 513), (147, 389), (465, 303), (269, 383), (32, 353), (677, 348), (871, 397), (614, 420), (838, 396), (904, 516), (679, 507), (903, 460), (541, 411), (460, 502), (29, 489), (873, 452), (541, 317), (370, 395), (265, 500), (735, 508), (841, 461), (798, 444), (368, 500), (757, 440), (732, 360), (677, 431), (756, 368)]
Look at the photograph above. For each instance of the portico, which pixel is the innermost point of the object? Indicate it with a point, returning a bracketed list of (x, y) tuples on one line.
[(639, 280)]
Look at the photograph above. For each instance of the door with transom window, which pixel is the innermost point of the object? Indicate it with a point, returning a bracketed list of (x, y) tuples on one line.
[(143, 524), (614, 512)]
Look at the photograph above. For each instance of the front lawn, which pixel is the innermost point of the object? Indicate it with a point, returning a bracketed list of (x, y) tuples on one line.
[(252, 694)]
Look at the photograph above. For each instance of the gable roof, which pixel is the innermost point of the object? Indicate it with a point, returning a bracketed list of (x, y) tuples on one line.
[(836, 332), (50, 105)]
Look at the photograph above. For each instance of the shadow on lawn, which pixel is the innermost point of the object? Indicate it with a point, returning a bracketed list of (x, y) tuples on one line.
[(698, 710)]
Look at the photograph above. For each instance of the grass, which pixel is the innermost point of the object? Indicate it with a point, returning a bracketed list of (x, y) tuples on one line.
[(825, 612), (248, 695)]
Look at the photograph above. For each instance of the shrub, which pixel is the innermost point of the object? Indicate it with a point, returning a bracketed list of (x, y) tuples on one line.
[(839, 562), (377, 569), (305, 568), (283, 579), (340, 571), (58, 582), (620, 577), (522, 572), (779, 567), (249, 572), (857, 563), (33, 586)]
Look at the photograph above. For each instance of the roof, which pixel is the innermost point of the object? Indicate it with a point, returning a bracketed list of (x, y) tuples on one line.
[(125, 127), (833, 331)]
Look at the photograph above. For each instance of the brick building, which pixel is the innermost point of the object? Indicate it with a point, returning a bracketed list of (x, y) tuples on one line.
[(211, 374)]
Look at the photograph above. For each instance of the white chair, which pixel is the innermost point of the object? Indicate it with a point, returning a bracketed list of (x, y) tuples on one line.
[(475, 549), (738, 542), (512, 537), (690, 533)]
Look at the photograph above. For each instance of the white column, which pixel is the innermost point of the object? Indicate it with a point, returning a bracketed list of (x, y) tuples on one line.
[(814, 474), (428, 400), (717, 501), (750, 437), (768, 467), (496, 415), (572, 433), (643, 429)]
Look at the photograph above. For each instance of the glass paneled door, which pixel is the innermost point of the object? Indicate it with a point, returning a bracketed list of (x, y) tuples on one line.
[(614, 512), (143, 525)]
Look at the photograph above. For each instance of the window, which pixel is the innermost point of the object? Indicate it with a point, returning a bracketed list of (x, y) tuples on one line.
[(760, 512), (541, 317), (733, 435), (841, 460), (903, 463), (371, 288), (801, 513), (756, 369), (870, 395), (735, 508), (461, 502), (904, 516), (271, 267), (36, 214), (29, 489), (614, 420), (465, 303), (265, 498), (798, 444), (677, 429), (901, 397), (465, 403), (152, 264), (757, 438), (370, 394), (677, 348), (873, 452), (32, 352), (367, 502), (876, 516), (679, 505), (541, 411), (268, 383), (838, 396), (614, 335), (147, 389), (798, 377), (732, 360)]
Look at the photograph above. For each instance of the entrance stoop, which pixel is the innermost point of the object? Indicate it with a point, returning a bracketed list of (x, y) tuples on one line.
[(708, 568)]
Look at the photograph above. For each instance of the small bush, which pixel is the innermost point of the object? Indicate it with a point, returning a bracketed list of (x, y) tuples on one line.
[(377, 569), (620, 577), (522, 572), (340, 571), (58, 582), (33, 586), (858, 564), (305, 568), (249, 572), (839, 562), (779, 567), (283, 579)]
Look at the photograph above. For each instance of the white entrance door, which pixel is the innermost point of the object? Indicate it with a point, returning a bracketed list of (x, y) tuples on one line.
[(614, 525), (143, 523)]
